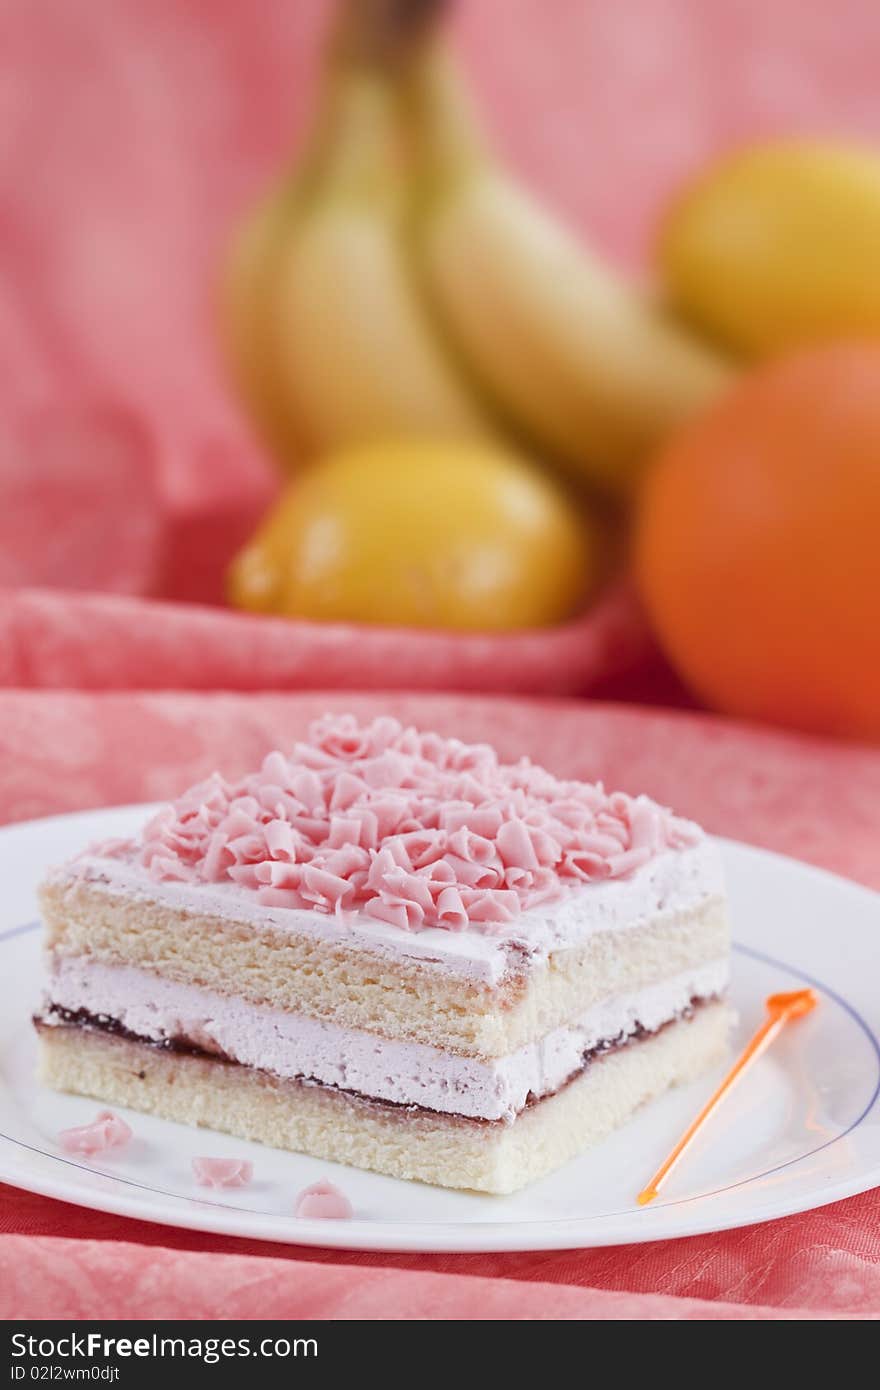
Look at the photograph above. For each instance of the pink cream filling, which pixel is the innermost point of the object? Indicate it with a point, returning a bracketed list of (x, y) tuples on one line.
[(409, 828)]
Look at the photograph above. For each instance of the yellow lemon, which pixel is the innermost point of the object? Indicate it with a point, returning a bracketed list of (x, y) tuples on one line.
[(777, 246), (421, 533)]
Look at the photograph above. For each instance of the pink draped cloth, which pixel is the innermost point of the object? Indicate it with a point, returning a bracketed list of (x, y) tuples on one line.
[(98, 641), (155, 1283), (61, 751)]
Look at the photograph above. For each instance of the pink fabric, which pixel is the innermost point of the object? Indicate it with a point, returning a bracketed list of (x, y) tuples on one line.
[(155, 1283), (56, 462), (61, 751), (106, 642)]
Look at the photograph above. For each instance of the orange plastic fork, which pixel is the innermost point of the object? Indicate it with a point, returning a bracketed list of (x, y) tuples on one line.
[(782, 1008)]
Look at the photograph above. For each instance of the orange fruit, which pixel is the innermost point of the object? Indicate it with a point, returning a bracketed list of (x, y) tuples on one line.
[(758, 544)]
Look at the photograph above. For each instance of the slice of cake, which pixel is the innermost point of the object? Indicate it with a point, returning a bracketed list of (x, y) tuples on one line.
[(392, 950)]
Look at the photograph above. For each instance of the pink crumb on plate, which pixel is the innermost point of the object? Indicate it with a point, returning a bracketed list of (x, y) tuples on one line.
[(322, 1199), (222, 1172), (106, 1131)]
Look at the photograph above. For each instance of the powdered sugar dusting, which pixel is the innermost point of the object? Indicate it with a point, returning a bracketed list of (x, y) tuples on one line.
[(408, 828)]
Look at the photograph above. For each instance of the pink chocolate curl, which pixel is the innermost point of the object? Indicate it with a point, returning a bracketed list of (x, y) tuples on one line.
[(106, 1131), (222, 1172), (384, 821), (323, 1200)]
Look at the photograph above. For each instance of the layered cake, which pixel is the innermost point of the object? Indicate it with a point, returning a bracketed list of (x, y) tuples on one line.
[(390, 949)]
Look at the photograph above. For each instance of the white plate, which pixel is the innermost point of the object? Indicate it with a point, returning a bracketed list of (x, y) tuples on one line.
[(803, 1130)]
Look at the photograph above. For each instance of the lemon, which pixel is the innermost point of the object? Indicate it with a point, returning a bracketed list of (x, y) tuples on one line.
[(422, 533), (777, 246)]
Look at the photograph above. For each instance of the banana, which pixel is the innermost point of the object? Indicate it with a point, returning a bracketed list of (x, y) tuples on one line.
[(569, 352), (244, 312), (357, 355), (248, 290), (354, 310), (325, 328)]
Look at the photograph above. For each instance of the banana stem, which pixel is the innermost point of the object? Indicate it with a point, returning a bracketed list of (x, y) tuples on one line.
[(383, 45), (448, 133), (360, 142), (383, 33), (383, 52)]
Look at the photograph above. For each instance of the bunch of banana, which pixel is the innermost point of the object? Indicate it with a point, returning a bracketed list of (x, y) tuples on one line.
[(399, 283), (569, 351), (328, 333)]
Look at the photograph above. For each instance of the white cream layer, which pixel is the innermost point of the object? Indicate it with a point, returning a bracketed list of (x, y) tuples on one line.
[(673, 882), (406, 1073)]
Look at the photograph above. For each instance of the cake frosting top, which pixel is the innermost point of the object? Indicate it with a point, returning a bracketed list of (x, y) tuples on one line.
[(408, 828)]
